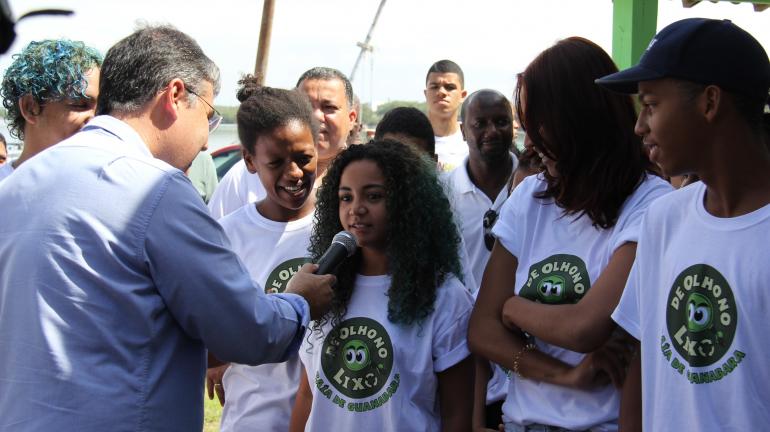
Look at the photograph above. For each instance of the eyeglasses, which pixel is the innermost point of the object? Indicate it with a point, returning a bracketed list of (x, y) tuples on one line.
[(490, 217), (216, 118)]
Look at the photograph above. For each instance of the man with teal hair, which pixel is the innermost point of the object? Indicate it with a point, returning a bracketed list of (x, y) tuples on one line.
[(49, 93)]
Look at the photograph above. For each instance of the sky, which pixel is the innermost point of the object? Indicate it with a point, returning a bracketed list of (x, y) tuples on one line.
[(490, 40)]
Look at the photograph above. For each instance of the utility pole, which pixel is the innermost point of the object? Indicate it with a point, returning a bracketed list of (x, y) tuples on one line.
[(263, 50)]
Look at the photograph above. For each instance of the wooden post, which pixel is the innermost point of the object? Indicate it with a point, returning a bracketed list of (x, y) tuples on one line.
[(263, 50)]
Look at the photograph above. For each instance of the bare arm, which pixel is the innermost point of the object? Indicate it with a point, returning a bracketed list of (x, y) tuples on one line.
[(631, 396), (581, 327), (454, 386), (302, 404), (489, 338)]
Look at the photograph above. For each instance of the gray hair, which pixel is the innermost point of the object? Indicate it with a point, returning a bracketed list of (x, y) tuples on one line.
[(139, 66), (328, 74)]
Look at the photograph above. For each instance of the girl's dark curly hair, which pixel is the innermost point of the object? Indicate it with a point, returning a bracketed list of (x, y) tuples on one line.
[(422, 238)]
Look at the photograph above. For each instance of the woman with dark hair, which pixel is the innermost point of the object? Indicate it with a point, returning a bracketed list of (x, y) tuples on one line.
[(566, 241), (391, 355)]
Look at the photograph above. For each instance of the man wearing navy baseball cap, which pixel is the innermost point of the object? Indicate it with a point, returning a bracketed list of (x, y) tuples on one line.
[(697, 296)]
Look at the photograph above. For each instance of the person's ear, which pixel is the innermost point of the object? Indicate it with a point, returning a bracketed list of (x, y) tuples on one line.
[(353, 115), (250, 160), (711, 102), (29, 109), (171, 97), (463, 94)]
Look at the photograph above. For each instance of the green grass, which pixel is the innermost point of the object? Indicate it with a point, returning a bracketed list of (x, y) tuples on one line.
[(212, 411)]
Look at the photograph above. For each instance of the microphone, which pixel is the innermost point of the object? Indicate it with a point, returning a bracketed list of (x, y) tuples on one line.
[(343, 245)]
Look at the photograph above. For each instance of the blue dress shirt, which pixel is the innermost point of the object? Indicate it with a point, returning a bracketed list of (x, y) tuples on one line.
[(113, 279)]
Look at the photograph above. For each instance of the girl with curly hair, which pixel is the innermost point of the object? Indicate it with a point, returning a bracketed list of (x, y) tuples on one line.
[(278, 133), (566, 240), (391, 355)]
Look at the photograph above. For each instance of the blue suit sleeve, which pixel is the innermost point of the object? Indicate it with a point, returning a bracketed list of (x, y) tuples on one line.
[(209, 291)]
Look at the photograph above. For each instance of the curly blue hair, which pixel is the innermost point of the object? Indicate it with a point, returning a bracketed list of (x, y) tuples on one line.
[(422, 238), (48, 70)]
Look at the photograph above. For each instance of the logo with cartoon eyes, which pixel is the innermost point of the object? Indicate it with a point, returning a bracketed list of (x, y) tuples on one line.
[(558, 279), (701, 315), (551, 289), (279, 277), (699, 312), (356, 355)]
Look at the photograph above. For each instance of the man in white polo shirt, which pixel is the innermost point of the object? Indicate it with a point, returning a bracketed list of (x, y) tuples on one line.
[(477, 189)]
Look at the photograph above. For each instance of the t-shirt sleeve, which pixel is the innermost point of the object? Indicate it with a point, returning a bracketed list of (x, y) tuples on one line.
[(628, 311), (450, 338), (630, 221), (226, 197)]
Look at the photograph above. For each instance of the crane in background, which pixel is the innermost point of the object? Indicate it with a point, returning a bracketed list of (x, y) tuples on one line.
[(367, 48)]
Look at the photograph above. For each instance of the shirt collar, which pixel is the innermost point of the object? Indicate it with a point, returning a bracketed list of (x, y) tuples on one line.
[(461, 181), (121, 130)]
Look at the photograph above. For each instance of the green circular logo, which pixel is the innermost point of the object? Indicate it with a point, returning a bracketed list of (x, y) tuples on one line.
[(357, 357), (557, 279), (279, 277), (701, 315)]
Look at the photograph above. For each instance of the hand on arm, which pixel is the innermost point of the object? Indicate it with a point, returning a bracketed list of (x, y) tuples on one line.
[(454, 386), (488, 336), (581, 327), (302, 405)]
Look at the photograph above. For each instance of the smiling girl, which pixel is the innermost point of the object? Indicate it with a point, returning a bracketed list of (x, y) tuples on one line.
[(392, 354), (277, 130)]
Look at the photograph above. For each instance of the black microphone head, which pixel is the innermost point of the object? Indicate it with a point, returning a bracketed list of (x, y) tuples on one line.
[(347, 240)]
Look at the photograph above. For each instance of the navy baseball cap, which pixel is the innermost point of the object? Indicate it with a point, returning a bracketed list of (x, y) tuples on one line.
[(700, 50)]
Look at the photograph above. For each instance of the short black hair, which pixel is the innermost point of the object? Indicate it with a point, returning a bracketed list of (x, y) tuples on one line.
[(408, 121), (446, 66), (487, 92)]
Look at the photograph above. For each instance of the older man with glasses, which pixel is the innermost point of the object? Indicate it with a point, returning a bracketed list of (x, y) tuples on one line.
[(114, 279)]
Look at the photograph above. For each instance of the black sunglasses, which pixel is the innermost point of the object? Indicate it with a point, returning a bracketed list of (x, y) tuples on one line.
[(490, 217)]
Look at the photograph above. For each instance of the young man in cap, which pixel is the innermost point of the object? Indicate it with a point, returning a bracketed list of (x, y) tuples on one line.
[(696, 296)]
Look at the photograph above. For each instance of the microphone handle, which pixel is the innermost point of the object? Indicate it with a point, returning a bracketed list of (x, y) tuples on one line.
[(331, 259)]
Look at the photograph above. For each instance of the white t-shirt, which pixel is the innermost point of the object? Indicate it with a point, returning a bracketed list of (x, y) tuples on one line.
[(6, 169), (262, 397), (469, 204), (697, 298), (559, 257), (451, 150), (369, 374), (237, 188)]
